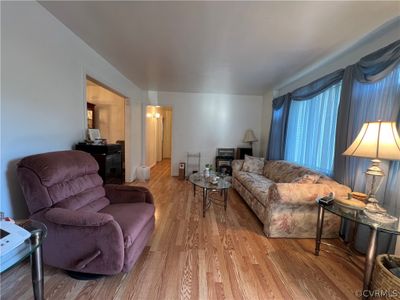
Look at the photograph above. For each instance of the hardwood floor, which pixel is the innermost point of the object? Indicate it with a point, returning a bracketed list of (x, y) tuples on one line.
[(222, 256)]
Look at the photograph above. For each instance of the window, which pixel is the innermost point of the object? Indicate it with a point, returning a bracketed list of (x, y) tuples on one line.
[(311, 129)]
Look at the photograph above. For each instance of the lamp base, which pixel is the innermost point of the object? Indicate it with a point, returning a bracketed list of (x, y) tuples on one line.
[(377, 213), (373, 206), (383, 218)]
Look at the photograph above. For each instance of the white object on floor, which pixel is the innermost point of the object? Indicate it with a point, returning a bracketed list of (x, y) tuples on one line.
[(143, 173)]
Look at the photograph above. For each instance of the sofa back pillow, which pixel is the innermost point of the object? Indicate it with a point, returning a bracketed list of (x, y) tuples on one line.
[(281, 171), (307, 178), (253, 164)]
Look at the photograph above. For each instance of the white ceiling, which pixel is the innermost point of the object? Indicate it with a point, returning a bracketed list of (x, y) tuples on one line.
[(224, 47)]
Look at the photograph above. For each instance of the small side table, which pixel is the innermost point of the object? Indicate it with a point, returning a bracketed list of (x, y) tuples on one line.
[(33, 247), (358, 217), (222, 187)]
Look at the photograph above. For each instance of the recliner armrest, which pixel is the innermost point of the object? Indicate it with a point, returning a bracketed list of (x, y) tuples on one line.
[(64, 216), (127, 194)]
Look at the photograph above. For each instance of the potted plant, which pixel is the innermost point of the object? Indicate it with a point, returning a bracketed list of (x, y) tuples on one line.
[(208, 168)]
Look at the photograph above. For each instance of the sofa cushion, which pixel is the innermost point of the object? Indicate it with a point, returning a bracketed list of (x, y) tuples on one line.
[(132, 217), (256, 184), (281, 171), (253, 164)]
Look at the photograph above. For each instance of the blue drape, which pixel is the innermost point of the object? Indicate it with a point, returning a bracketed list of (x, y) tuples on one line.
[(318, 86), (369, 69), (370, 92), (375, 101), (277, 134), (281, 107), (371, 102), (310, 139)]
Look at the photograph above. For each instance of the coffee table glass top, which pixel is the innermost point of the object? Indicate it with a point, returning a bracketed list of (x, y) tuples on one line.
[(203, 182), (27, 247), (358, 215)]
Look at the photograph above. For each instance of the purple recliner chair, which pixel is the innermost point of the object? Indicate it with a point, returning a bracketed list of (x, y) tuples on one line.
[(91, 228)]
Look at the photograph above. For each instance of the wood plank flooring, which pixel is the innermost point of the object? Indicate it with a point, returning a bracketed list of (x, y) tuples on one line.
[(222, 256)]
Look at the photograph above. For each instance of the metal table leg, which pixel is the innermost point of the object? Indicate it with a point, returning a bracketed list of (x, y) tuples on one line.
[(225, 198), (370, 260), (205, 195), (320, 223), (194, 190), (37, 267)]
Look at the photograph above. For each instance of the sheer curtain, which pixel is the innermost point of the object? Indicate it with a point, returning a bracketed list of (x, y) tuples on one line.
[(372, 101), (310, 138)]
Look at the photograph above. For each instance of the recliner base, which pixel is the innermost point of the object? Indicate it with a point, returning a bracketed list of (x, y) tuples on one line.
[(84, 276)]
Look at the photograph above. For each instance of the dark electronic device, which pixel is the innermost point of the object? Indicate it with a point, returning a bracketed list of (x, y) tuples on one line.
[(327, 200)]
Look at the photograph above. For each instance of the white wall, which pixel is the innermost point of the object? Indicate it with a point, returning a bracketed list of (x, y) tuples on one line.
[(167, 132), (157, 134), (151, 136), (42, 98), (373, 41), (205, 122)]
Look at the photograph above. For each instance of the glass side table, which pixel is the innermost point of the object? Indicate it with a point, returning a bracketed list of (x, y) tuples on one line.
[(31, 247), (357, 216), (222, 186)]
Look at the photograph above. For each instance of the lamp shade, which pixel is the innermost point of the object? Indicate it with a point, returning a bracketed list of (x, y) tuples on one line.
[(249, 137), (377, 140)]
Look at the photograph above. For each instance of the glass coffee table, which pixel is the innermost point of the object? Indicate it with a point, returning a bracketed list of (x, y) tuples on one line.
[(358, 217), (211, 190), (30, 247)]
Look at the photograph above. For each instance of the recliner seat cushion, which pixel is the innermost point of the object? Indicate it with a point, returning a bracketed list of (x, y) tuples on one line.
[(132, 217)]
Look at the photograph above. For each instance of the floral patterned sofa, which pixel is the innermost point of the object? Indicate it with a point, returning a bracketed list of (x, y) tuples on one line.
[(283, 198)]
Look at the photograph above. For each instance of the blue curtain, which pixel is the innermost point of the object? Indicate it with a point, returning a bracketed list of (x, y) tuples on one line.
[(277, 134), (369, 69), (310, 139), (372, 102), (281, 108), (370, 92)]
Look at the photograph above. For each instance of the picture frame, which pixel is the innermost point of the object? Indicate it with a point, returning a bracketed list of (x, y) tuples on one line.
[(94, 134)]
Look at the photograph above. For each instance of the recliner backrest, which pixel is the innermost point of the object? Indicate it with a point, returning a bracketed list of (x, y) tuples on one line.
[(67, 179)]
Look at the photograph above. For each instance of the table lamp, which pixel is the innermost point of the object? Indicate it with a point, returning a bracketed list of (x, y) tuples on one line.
[(376, 140), (249, 137)]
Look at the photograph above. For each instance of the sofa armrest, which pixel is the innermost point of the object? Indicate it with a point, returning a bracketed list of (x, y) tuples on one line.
[(127, 194), (297, 193), (62, 216), (338, 190), (237, 164)]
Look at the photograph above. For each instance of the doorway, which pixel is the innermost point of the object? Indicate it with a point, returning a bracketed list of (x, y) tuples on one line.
[(106, 112), (158, 134)]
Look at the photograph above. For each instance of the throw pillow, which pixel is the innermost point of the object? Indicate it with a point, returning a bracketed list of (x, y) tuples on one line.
[(253, 164), (307, 178)]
